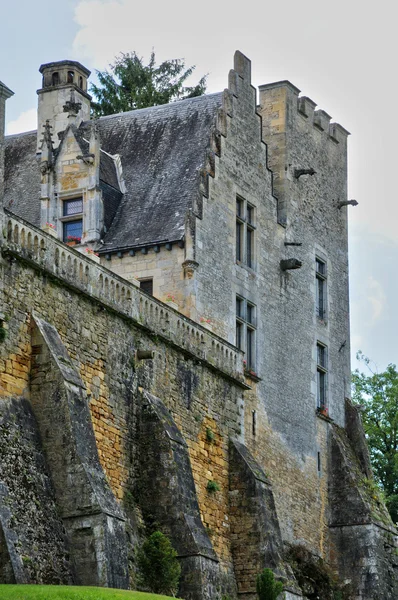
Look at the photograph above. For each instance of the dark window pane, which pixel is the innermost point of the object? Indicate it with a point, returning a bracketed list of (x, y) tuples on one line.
[(250, 313), (249, 247), (321, 399), (239, 307), (320, 267), (73, 207), (250, 348), (147, 286), (239, 228), (55, 78), (321, 359), (239, 207), (239, 340), (250, 214), (320, 297), (73, 231)]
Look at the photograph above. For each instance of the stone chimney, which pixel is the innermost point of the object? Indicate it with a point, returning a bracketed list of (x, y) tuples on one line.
[(63, 98), (5, 93)]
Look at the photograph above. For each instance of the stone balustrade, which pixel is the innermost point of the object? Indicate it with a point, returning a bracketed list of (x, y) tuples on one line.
[(44, 252)]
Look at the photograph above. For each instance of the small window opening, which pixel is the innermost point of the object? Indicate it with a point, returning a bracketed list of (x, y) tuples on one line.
[(146, 285), (322, 370), (81, 82), (245, 230), (71, 76), (55, 78), (321, 282), (254, 422), (246, 331), (319, 461)]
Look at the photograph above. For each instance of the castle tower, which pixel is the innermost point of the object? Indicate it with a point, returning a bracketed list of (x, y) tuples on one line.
[(5, 93), (63, 97)]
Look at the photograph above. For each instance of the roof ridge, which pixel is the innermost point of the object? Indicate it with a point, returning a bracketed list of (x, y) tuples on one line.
[(160, 106)]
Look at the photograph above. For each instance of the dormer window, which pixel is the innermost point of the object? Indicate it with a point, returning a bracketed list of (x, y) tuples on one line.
[(71, 76), (55, 78)]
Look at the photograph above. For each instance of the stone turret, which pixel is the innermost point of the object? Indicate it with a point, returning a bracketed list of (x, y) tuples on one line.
[(63, 97), (5, 93)]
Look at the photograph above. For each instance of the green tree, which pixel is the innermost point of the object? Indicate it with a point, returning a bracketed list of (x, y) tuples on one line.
[(378, 395), (158, 564), (267, 587), (131, 84)]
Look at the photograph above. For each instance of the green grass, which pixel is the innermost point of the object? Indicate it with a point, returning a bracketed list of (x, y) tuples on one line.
[(66, 592)]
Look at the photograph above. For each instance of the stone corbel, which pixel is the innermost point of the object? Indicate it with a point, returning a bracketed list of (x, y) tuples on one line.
[(189, 267), (88, 159)]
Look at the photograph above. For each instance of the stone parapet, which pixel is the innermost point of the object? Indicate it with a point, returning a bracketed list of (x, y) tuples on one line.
[(22, 240)]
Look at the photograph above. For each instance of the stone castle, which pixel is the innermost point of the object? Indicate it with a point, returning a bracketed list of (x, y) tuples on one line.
[(174, 348)]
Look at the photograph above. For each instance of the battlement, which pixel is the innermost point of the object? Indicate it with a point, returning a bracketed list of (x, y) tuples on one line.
[(273, 95), (43, 252)]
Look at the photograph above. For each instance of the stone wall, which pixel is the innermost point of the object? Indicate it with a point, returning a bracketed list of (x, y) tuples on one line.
[(197, 375), (163, 266), (291, 441), (32, 537), (119, 341)]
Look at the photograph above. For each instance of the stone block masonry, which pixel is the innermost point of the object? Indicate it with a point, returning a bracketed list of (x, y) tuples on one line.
[(102, 321), (149, 420), (101, 342)]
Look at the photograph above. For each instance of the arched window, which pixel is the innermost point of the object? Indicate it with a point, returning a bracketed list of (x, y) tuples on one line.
[(71, 76), (81, 82), (55, 78)]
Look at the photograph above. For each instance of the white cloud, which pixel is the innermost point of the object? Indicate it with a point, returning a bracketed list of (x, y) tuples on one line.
[(376, 298), (108, 27), (25, 122)]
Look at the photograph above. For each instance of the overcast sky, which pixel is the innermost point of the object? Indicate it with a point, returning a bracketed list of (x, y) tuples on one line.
[(342, 54)]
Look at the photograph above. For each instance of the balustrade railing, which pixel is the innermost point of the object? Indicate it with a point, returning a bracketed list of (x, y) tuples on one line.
[(80, 271)]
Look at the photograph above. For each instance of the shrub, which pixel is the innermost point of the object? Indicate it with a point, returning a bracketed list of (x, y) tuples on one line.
[(158, 564), (209, 435), (267, 587), (213, 486)]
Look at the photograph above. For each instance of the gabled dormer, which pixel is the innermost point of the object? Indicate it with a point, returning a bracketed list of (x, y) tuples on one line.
[(71, 198)]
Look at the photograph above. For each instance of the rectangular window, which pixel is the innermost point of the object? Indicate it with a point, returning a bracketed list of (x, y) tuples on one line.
[(246, 330), (322, 370), (245, 230), (72, 227), (147, 286), (73, 207), (321, 281), (73, 231)]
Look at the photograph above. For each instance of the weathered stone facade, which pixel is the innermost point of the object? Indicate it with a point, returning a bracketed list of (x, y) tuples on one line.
[(149, 413)]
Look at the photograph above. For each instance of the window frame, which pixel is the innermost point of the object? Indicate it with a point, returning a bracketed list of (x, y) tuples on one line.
[(71, 217), (245, 232), (321, 376), (246, 330), (146, 280), (321, 289)]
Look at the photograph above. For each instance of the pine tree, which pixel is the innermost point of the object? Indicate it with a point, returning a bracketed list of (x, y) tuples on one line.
[(130, 84)]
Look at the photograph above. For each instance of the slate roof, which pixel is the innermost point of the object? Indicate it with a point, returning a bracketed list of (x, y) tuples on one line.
[(162, 151), (22, 177)]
